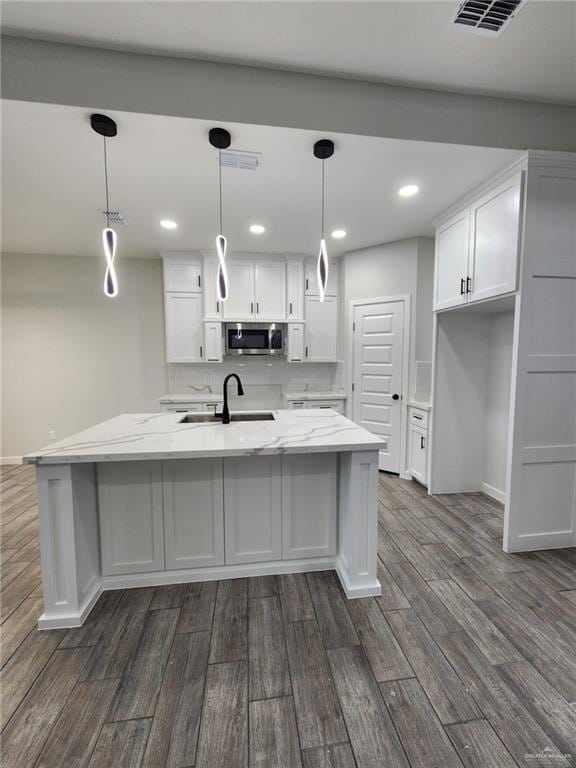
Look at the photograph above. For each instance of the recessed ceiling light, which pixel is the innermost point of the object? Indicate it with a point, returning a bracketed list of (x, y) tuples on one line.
[(338, 234), (257, 229), (409, 190), (168, 224)]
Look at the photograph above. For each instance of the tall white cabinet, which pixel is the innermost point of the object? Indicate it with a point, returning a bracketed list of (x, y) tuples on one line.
[(513, 242)]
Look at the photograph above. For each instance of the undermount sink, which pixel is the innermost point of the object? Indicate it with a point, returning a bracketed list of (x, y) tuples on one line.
[(210, 418)]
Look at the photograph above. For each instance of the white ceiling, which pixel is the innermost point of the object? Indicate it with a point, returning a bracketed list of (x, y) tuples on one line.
[(409, 42), (161, 167)]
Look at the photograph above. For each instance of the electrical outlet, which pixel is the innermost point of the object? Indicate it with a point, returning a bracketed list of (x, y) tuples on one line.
[(52, 434)]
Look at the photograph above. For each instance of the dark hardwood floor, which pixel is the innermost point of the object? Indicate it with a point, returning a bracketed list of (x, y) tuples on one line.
[(467, 660)]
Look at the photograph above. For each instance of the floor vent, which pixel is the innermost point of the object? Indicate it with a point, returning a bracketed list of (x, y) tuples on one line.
[(114, 217), (238, 158), (487, 17)]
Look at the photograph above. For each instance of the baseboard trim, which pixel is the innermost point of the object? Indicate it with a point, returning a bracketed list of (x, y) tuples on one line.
[(70, 620), (5, 460), (494, 493)]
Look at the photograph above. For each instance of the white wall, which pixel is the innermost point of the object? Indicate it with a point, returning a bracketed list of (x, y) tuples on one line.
[(391, 269), (71, 357), (499, 349)]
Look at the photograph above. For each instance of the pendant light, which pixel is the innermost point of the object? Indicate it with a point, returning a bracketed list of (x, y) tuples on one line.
[(220, 139), (323, 149), (107, 128)]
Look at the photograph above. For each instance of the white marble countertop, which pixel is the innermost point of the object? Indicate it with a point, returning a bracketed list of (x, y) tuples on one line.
[(134, 436), (193, 397), (315, 395), (419, 404)]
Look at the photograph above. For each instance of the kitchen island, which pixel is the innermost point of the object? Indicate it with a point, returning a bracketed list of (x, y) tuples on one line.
[(150, 499)]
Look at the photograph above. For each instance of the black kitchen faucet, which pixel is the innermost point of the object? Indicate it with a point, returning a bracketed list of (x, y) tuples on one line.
[(225, 415)]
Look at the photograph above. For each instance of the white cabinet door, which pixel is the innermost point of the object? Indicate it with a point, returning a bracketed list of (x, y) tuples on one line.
[(295, 289), (253, 503), (417, 453), (181, 274), (496, 241), (311, 278), (213, 342), (321, 333), (295, 350), (193, 513), (270, 290), (240, 304), (451, 262), (130, 510), (212, 306), (184, 331), (309, 505)]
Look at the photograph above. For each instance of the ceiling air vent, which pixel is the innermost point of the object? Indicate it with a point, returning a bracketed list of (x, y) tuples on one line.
[(487, 17), (238, 158), (114, 217)]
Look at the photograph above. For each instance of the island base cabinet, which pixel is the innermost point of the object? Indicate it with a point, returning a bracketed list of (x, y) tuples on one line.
[(193, 513), (418, 453), (131, 520), (253, 504), (309, 505)]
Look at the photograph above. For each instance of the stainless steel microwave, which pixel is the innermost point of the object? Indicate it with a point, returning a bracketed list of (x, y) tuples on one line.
[(255, 339)]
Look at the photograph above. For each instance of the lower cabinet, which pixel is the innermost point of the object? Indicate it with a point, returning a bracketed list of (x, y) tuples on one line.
[(131, 520), (418, 453), (309, 505), (253, 504), (193, 513)]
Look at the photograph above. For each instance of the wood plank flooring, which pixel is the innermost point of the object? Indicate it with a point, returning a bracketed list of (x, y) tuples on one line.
[(467, 660)]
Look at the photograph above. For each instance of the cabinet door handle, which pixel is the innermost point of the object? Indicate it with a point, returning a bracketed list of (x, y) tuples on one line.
[(415, 416), (200, 351), (257, 308), (251, 307), (290, 307), (462, 285), (306, 351), (421, 441), (306, 283), (212, 360), (296, 360), (217, 307), (199, 283), (468, 285)]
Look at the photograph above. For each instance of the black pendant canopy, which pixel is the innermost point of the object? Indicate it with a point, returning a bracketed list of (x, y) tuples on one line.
[(219, 138), (323, 149), (103, 125)]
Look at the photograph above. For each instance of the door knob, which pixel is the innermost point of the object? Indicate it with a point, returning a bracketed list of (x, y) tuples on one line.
[(395, 397)]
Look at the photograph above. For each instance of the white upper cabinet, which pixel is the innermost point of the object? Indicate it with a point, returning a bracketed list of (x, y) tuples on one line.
[(184, 327), (294, 288), (451, 263), (495, 223), (270, 290), (321, 330), (295, 345), (477, 250), (311, 278), (213, 342), (182, 274), (240, 304), (212, 305)]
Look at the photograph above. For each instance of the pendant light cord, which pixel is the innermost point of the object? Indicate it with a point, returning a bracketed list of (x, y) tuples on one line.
[(220, 185), (323, 205), (106, 183)]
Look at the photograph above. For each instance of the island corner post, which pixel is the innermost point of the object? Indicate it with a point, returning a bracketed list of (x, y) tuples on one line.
[(70, 540)]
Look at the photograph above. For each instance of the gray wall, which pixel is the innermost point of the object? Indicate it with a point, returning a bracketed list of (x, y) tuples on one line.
[(71, 357)]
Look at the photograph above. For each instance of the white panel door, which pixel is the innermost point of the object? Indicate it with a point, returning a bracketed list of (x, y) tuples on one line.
[(309, 505), (321, 332), (212, 306), (295, 345), (270, 290), (377, 375), (253, 503), (193, 513), (240, 304), (417, 453), (495, 241), (213, 342), (295, 289), (184, 329), (130, 509), (311, 278), (451, 262)]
